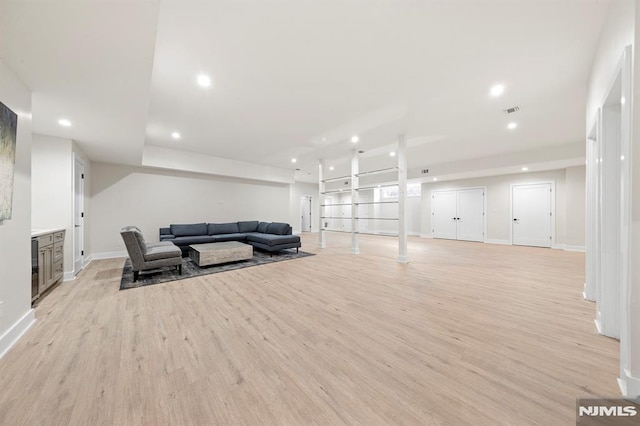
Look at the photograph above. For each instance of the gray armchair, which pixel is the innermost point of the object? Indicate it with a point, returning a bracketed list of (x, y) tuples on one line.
[(149, 256)]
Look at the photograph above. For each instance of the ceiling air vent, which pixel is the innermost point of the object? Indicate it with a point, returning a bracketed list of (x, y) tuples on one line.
[(425, 171), (511, 110)]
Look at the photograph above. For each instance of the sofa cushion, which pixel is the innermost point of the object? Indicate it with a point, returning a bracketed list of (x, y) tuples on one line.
[(271, 239), (223, 228), (162, 252), (248, 226), (262, 227), (193, 239), (278, 228), (190, 229), (229, 237)]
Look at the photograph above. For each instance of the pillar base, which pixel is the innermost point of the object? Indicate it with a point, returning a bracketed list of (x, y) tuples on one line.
[(403, 259)]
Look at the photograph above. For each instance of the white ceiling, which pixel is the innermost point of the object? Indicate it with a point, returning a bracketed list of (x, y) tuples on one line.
[(298, 78)]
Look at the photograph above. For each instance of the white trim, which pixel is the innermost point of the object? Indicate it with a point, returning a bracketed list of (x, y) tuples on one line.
[(598, 326), (553, 207), (580, 249), (87, 261), (495, 241), (69, 276), (109, 255), (11, 337), (629, 385), (426, 236), (559, 247)]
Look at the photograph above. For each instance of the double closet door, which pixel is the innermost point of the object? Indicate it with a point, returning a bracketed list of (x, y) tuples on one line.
[(458, 214)]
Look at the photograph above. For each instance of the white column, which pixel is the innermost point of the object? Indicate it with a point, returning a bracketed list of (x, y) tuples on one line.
[(630, 331), (402, 198), (321, 185), (355, 248)]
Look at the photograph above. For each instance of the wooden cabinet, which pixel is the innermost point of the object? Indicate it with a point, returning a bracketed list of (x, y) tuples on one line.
[(50, 260)]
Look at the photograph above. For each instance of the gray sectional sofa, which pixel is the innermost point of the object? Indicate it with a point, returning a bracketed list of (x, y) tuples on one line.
[(271, 237)]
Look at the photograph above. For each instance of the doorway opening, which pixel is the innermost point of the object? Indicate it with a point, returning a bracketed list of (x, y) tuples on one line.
[(305, 213)]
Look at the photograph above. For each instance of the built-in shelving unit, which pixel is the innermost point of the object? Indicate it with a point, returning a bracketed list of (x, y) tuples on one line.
[(389, 177)]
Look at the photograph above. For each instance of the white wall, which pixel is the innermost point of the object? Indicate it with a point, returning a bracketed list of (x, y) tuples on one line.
[(296, 192), (575, 212), (620, 31), (498, 199), (617, 33), (52, 188), (16, 314), (151, 199)]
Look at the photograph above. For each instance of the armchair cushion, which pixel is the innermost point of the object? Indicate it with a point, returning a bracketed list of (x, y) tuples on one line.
[(162, 252)]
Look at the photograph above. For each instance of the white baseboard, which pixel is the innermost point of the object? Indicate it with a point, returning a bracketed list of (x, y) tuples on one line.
[(8, 339), (494, 241), (558, 246), (68, 276), (109, 255), (598, 326), (629, 385), (426, 235), (580, 249)]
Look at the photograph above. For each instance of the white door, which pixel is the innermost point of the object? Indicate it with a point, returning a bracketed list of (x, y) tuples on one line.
[(305, 214), (532, 215), (78, 215), (470, 215), (444, 214)]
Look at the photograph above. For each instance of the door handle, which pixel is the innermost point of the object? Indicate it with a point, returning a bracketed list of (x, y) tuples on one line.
[(515, 220)]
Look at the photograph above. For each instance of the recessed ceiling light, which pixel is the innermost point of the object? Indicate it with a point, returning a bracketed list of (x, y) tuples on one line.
[(497, 90), (331, 168), (355, 138), (64, 122), (293, 160), (204, 80), (392, 153), (622, 100), (512, 126), (175, 135), (435, 179), (524, 169)]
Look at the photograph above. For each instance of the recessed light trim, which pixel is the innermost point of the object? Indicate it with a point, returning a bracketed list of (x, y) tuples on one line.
[(497, 90), (355, 138), (176, 135), (331, 168), (204, 80), (524, 169), (64, 122), (392, 154), (435, 179), (512, 125), (294, 160)]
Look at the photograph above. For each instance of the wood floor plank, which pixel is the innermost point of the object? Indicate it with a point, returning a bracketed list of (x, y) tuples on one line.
[(466, 333)]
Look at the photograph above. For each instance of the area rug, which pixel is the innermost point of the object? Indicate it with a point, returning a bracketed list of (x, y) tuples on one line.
[(190, 269)]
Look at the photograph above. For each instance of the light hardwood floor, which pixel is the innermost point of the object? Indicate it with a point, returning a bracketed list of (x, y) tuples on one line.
[(465, 334)]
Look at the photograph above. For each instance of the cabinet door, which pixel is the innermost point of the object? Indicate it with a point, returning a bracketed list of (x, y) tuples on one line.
[(443, 214), (49, 260), (470, 223)]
